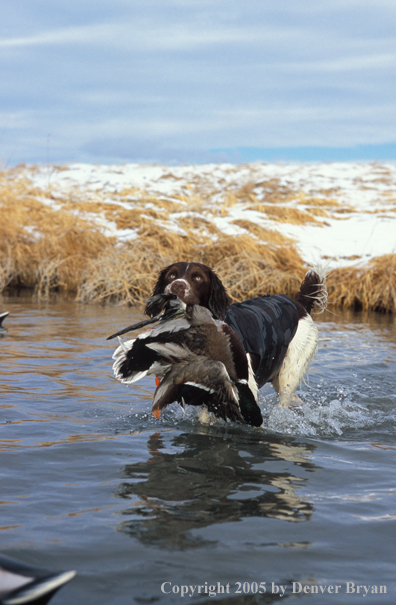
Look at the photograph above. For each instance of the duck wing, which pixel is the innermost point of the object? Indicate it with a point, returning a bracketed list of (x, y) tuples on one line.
[(150, 354), (134, 360), (207, 375)]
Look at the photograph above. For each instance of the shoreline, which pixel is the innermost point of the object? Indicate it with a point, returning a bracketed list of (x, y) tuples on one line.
[(104, 232)]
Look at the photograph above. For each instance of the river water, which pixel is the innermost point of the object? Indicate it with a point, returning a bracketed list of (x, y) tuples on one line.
[(148, 511)]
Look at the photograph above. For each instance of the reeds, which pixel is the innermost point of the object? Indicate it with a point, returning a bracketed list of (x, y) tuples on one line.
[(42, 246), (369, 288), (56, 240), (127, 273)]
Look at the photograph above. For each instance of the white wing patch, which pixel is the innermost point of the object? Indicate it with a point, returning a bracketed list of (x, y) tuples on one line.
[(200, 386), (123, 348), (252, 384), (120, 356)]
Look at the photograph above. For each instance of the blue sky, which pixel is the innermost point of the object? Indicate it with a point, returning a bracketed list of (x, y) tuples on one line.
[(179, 81)]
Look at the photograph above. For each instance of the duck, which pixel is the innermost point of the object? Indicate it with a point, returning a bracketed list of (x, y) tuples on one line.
[(196, 359), (20, 583), (3, 315)]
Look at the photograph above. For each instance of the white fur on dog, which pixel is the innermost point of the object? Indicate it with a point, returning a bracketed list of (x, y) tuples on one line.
[(300, 353)]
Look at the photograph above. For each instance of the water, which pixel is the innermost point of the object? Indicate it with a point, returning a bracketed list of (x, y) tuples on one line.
[(91, 481)]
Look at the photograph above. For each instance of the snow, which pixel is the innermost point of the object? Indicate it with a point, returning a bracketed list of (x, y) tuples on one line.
[(360, 220)]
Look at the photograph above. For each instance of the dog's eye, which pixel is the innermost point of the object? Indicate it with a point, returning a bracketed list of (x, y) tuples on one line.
[(197, 278), (172, 276)]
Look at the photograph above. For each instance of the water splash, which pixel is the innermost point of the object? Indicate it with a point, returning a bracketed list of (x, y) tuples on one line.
[(326, 415)]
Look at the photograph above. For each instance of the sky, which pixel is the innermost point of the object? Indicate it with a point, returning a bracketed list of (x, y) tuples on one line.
[(195, 81)]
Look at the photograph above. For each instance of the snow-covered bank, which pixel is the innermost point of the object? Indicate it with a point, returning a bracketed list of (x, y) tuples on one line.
[(350, 208), (106, 231)]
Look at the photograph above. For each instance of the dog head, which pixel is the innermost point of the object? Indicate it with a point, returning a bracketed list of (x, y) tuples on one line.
[(195, 284)]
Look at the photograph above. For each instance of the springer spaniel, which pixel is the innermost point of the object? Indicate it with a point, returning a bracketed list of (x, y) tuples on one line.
[(277, 332)]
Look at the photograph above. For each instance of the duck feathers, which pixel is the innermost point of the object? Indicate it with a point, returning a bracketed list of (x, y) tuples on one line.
[(135, 359), (198, 359), (210, 378), (3, 315), (20, 583)]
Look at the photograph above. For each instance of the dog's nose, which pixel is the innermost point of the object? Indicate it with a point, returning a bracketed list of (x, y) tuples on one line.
[(178, 287)]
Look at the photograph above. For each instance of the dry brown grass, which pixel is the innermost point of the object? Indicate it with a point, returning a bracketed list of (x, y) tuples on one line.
[(50, 241), (323, 202), (40, 246), (269, 236), (274, 191), (249, 268), (193, 223), (127, 274), (369, 288), (285, 214)]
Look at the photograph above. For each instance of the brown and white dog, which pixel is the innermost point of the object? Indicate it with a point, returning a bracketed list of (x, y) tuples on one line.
[(277, 332)]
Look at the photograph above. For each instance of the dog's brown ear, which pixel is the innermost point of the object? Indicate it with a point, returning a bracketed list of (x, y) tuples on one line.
[(219, 301)]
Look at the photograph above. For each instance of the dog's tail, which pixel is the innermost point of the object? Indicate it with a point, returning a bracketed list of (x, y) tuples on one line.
[(313, 291)]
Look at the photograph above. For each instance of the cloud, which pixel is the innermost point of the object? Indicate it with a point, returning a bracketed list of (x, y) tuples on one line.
[(148, 36), (182, 78), (57, 37)]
